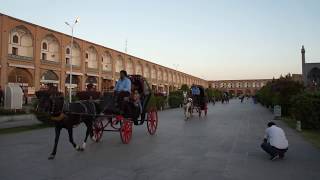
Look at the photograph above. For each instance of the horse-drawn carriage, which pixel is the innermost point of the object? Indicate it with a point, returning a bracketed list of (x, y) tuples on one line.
[(100, 115), (196, 103), (109, 122), (200, 102)]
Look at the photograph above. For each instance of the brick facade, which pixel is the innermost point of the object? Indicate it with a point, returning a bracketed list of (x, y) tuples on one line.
[(19, 37)]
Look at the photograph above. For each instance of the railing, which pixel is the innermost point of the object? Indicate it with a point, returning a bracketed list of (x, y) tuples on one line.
[(17, 57)]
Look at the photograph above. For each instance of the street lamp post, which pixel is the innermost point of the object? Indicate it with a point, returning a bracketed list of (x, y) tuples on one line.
[(70, 63)]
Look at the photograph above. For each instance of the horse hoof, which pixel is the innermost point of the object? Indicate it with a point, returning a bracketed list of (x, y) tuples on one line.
[(51, 157), (94, 138), (78, 148)]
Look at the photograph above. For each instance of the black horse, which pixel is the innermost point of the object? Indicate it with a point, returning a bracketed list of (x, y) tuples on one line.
[(68, 116)]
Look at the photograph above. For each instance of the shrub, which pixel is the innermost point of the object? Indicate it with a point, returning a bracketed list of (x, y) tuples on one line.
[(156, 101), (160, 101), (185, 87), (175, 99), (305, 108), (4, 112), (279, 92), (152, 103)]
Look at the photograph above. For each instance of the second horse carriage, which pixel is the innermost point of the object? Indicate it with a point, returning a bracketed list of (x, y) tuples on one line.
[(200, 102), (197, 103)]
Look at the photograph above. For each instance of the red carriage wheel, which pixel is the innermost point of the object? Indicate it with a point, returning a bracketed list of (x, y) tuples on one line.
[(152, 122), (126, 131), (97, 129)]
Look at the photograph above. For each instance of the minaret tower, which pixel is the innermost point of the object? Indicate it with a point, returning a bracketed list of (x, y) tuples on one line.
[(303, 58)]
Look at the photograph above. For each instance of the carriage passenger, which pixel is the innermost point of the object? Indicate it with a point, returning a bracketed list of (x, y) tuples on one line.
[(137, 100)]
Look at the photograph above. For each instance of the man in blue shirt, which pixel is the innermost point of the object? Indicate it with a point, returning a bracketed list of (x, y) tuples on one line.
[(123, 84), (122, 93), (195, 90)]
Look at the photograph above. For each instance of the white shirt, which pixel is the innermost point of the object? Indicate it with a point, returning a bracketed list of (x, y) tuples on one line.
[(276, 137)]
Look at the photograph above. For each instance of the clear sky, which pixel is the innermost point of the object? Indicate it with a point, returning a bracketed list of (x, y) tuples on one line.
[(234, 39)]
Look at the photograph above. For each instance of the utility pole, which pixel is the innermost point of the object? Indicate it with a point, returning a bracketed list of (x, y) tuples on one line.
[(70, 82)]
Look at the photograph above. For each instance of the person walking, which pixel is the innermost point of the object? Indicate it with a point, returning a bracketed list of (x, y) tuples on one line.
[(1, 96), (275, 142), (242, 98)]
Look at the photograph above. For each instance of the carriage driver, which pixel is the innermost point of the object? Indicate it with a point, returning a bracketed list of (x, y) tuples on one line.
[(123, 89), (123, 84), (195, 91)]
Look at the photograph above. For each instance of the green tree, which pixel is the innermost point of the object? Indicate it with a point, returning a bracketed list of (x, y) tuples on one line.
[(210, 93), (279, 92)]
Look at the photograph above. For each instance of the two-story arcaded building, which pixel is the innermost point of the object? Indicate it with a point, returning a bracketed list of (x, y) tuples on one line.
[(239, 87), (35, 56)]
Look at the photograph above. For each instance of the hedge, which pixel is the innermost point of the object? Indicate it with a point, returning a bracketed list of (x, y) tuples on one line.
[(306, 108), (279, 92), (296, 102), (7, 112), (175, 99)]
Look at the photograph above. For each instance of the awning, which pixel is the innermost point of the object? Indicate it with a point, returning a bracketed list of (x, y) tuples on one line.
[(49, 81), (72, 85), (18, 84), (108, 78), (75, 73), (90, 74), (21, 66)]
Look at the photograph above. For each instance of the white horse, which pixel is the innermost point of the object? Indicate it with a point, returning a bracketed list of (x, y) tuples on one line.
[(187, 107)]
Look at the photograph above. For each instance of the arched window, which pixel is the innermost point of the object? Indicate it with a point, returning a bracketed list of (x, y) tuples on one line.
[(314, 76), (44, 46), (119, 64), (92, 58), (20, 38), (76, 54), (106, 62), (146, 71), (129, 67), (15, 39)]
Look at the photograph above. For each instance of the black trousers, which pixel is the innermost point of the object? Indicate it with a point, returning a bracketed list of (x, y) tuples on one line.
[(122, 105), (273, 151)]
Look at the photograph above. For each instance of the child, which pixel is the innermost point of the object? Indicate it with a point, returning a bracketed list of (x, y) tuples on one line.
[(136, 100)]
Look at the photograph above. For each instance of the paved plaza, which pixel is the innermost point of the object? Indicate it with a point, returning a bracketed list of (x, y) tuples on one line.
[(225, 145)]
